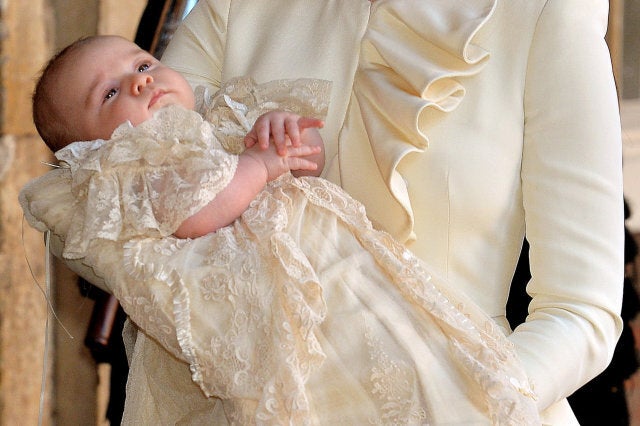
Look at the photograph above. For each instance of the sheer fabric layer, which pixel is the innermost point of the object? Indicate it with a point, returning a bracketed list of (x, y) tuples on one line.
[(274, 345)]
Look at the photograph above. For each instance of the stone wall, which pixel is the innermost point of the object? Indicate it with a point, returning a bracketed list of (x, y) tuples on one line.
[(631, 50), (24, 46), (29, 33)]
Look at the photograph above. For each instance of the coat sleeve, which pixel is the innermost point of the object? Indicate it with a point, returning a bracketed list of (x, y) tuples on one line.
[(572, 195), (197, 48)]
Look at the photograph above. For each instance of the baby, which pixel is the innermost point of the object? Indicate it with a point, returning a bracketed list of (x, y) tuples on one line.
[(69, 106), (295, 310)]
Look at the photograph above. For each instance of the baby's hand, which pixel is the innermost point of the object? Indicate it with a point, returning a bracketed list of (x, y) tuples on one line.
[(276, 165), (281, 126)]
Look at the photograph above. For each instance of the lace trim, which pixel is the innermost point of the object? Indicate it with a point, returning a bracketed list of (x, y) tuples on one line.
[(485, 354), (276, 317), (238, 103), (274, 321), (145, 180), (393, 384)]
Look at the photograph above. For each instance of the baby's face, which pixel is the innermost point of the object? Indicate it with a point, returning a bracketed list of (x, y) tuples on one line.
[(110, 81)]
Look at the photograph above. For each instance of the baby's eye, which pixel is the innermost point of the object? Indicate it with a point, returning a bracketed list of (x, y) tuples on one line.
[(110, 94), (144, 67)]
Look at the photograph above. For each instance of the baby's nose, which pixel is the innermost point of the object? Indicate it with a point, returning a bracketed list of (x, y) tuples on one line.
[(140, 82)]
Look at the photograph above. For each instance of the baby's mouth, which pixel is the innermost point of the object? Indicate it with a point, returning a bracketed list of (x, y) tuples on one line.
[(156, 97)]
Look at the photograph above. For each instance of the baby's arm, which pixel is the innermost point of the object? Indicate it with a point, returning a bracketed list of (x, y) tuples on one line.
[(287, 129), (255, 168)]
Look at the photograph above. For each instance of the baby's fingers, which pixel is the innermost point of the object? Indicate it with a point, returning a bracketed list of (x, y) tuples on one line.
[(279, 132), (300, 163), (260, 133), (257, 135), (250, 139), (296, 157), (292, 127), (303, 150), (308, 123)]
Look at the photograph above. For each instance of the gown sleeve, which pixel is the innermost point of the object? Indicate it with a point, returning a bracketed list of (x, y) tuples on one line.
[(145, 180)]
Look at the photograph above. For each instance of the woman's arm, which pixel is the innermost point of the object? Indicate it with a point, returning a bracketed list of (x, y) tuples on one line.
[(197, 47), (572, 195)]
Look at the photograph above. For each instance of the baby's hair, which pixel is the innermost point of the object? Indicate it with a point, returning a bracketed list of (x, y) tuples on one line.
[(52, 127)]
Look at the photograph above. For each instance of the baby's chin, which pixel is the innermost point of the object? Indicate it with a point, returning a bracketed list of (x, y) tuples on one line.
[(166, 111), (168, 105), (168, 99)]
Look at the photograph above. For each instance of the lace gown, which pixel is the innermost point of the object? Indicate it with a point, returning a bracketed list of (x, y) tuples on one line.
[(297, 313)]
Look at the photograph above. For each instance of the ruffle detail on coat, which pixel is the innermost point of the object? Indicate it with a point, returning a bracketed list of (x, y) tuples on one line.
[(411, 56), (126, 186)]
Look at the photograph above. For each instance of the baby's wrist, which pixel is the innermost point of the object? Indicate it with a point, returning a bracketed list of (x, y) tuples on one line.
[(256, 165)]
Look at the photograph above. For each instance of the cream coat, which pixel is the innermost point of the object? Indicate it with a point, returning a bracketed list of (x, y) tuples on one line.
[(486, 119)]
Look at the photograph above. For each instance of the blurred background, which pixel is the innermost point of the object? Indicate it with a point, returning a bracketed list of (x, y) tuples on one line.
[(76, 378)]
